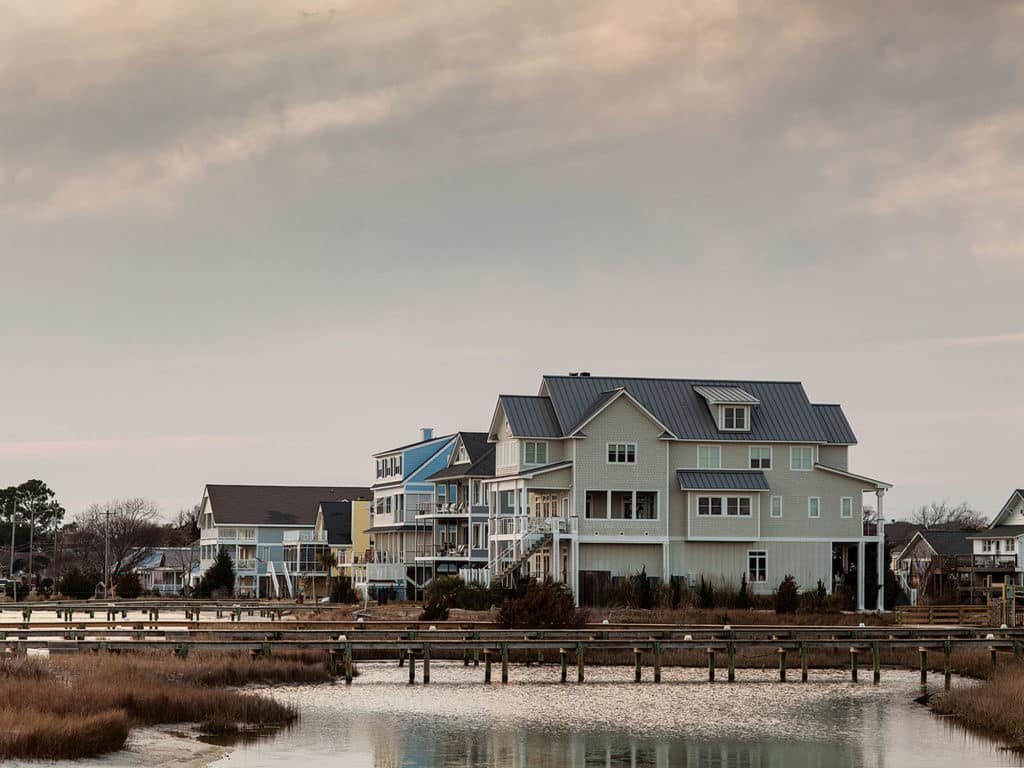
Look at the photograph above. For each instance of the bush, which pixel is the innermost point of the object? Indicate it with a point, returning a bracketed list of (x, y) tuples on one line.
[(816, 600), (787, 597), (621, 594), (128, 585), (743, 595), (341, 590), (77, 585), (542, 605), (705, 594), (219, 579)]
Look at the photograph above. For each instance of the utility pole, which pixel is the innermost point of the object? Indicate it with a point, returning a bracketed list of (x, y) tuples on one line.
[(14, 512), (31, 539), (106, 557)]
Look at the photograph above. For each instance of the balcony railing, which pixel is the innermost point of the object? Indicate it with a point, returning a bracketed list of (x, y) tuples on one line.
[(293, 537), (245, 564)]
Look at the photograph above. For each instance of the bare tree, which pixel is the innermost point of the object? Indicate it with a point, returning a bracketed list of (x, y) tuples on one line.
[(184, 528), (937, 514), (133, 532)]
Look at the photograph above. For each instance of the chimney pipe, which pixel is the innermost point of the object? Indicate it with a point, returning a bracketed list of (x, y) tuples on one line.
[(426, 433)]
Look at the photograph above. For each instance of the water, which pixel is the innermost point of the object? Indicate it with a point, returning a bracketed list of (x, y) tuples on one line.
[(381, 721)]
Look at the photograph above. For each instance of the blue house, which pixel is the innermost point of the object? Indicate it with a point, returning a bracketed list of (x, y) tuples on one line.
[(402, 491)]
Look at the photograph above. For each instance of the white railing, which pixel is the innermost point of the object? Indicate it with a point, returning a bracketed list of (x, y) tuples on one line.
[(476, 576), (246, 564), (363, 573), (292, 537)]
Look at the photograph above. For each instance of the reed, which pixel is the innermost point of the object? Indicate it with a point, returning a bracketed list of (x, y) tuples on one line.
[(45, 736), (995, 706)]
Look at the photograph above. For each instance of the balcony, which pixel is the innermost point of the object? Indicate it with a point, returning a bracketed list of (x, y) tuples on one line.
[(246, 565), (305, 537), (996, 562), (431, 510)]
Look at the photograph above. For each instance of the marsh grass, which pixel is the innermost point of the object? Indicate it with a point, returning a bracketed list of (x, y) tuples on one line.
[(83, 705), (996, 706)]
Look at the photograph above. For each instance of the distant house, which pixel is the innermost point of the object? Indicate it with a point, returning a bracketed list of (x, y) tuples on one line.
[(269, 531), (167, 570), (931, 563), (996, 549), (344, 524)]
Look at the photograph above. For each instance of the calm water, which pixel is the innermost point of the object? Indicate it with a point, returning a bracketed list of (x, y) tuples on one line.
[(534, 721)]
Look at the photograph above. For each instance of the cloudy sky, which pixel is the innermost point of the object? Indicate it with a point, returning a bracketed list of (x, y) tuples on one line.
[(256, 241)]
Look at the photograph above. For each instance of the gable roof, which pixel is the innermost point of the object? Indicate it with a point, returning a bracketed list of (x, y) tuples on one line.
[(275, 504), (944, 542), (1014, 497), (784, 413), (529, 416), (407, 446), (605, 400), (337, 517), (999, 531)]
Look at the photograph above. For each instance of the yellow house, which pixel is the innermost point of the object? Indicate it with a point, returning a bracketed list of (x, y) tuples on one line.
[(343, 524)]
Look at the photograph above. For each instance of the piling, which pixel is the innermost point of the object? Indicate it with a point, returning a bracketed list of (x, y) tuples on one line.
[(876, 664), (711, 665), (947, 667), (782, 665), (504, 663), (854, 654), (332, 662), (487, 665), (579, 662), (426, 664), (411, 658), (993, 652), (924, 664), (564, 662), (657, 662), (465, 657), (637, 665), (804, 655), (348, 663), (730, 650)]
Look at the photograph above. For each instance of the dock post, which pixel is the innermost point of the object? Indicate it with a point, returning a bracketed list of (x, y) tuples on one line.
[(992, 651), (348, 664), (1016, 648), (579, 662), (476, 657), (854, 653), (924, 664), (465, 657), (401, 658), (657, 662), (540, 651), (426, 663), (782, 665), (504, 663), (947, 666), (411, 657), (876, 663), (711, 665), (637, 666), (804, 658), (563, 659), (332, 662), (731, 655), (487, 665)]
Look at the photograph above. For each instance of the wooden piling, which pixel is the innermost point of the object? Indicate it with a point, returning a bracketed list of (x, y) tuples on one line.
[(579, 662), (804, 658), (504, 663), (993, 652), (657, 662), (426, 664), (332, 662), (854, 655), (411, 659), (924, 664), (563, 655), (465, 657), (348, 664), (637, 666), (947, 666), (876, 664), (711, 665), (487, 665), (782, 665), (731, 656)]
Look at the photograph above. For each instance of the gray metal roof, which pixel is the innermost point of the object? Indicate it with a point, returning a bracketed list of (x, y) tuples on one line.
[(721, 480), (274, 504), (597, 405), (726, 395), (530, 416), (784, 413), (1000, 531)]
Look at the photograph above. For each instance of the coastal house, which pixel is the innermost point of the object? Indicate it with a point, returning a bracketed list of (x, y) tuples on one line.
[(269, 531), (598, 477), (344, 525), (996, 549), (167, 570), (401, 491), (935, 562), (458, 515)]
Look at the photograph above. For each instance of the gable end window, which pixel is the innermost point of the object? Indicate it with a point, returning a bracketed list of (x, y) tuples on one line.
[(735, 418), (801, 458), (760, 457), (622, 453), (709, 457), (535, 452)]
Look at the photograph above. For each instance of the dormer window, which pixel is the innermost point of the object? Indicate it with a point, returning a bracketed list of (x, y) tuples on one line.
[(735, 418)]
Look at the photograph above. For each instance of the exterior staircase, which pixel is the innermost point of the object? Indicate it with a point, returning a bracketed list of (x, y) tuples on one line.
[(536, 535)]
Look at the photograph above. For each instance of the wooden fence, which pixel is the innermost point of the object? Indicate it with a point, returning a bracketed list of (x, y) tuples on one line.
[(964, 615)]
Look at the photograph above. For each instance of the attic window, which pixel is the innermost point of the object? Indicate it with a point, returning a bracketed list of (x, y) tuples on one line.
[(735, 418), (463, 455)]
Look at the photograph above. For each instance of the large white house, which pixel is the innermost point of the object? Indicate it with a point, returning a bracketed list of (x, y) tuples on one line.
[(684, 478)]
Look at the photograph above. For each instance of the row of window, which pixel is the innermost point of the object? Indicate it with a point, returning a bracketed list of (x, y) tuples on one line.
[(739, 506), (995, 545), (801, 457), (511, 453), (621, 505), (389, 466)]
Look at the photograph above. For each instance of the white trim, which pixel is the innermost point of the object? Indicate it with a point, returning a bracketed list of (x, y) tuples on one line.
[(709, 445), (522, 458), (771, 510), (792, 452), (771, 458), (721, 417), (818, 507), (614, 538), (1006, 508), (842, 514), (798, 539), (875, 484), (634, 462), (764, 555)]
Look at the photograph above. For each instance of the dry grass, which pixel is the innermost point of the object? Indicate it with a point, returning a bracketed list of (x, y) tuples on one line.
[(734, 616), (76, 706), (996, 706)]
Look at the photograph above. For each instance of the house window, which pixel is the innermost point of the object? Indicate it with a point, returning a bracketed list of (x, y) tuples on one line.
[(846, 506), (801, 458), (1011, 545), (776, 508), (737, 506), (986, 545), (709, 506), (734, 418), (510, 499), (709, 457), (622, 453), (508, 453), (760, 457), (535, 453), (463, 456), (757, 566), (646, 505), (398, 465), (814, 506)]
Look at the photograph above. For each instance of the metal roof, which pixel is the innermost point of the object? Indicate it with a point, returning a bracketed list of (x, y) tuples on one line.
[(337, 522), (721, 480), (1005, 531), (715, 395), (530, 416), (784, 413), (275, 504)]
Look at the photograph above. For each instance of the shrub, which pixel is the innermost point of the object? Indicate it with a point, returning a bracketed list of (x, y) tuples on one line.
[(644, 590), (787, 597), (743, 595), (543, 604), (128, 585), (676, 587), (341, 590), (219, 579), (77, 585), (621, 594), (705, 594)]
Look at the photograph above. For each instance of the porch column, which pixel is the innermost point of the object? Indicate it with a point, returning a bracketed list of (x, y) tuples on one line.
[(666, 576), (861, 569), (880, 604), (574, 568)]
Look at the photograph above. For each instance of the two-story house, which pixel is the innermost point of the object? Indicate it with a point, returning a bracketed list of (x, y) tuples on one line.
[(996, 550), (459, 516), (680, 477), (269, 531), (401, 491)]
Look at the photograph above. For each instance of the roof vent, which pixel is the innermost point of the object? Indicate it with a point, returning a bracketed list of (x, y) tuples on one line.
[(573, 374), (426, 433), (584, 373)]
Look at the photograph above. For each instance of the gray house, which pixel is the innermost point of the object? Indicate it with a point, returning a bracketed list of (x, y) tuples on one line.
[(682, 477)]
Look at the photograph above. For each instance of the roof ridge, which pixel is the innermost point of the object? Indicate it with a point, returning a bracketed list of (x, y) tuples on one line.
[(676, 378)]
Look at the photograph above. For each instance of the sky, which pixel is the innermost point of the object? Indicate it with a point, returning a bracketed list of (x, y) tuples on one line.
[(256, 241)]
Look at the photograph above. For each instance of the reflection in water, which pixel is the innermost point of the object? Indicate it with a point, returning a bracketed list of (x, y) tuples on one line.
[(536, 722)]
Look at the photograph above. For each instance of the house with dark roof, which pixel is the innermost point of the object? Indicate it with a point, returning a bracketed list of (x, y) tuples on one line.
[(402, 492), (932, 562), (599, 477), (167, 570), (344, 525), (997, 549), (269, 532)]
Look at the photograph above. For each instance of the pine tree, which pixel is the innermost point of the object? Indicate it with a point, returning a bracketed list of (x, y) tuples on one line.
[(219, 577)]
